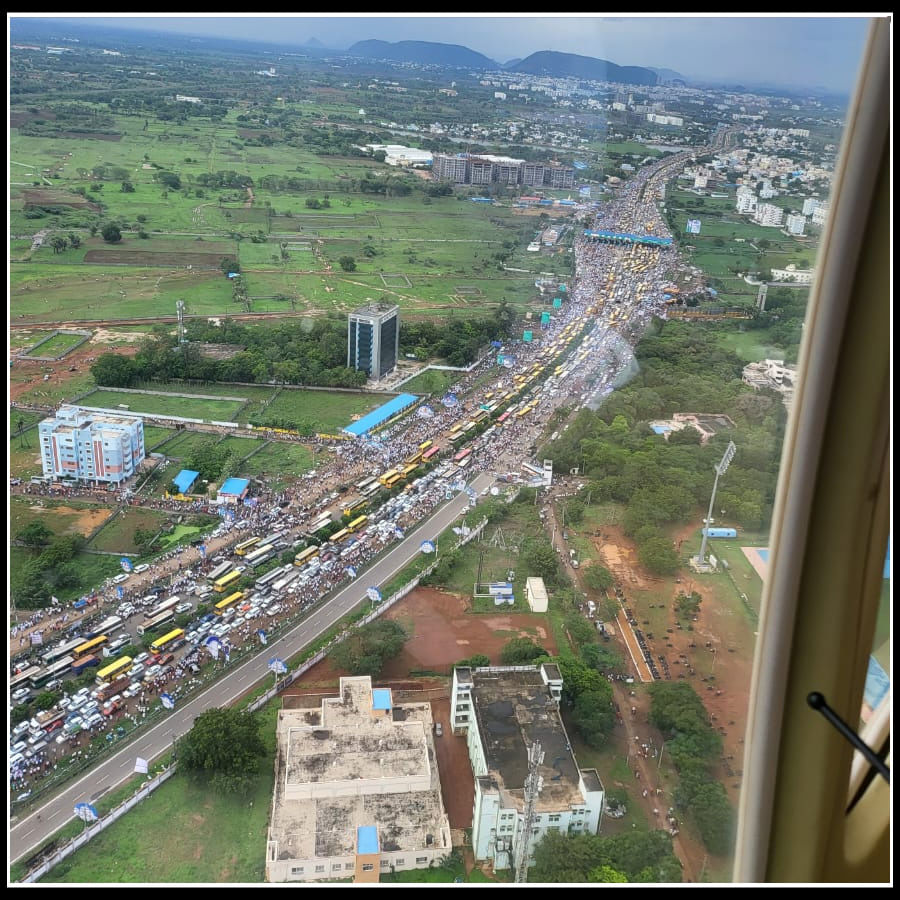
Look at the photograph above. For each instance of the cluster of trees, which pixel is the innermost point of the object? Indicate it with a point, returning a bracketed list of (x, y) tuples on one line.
[(212, 461), (665, 482), (520, 651), (223, 750), (638, 856), (694, 747), (458, 344), (78, 118), (367, 650), (224, 179), (50, 570), (292, 352)]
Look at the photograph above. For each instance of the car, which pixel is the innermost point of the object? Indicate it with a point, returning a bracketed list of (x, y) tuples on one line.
[(20, 694), (18, 747), (35, 736), (276, 608), (54, 726), (90, 707), (133, 689), (141, 568), (192, 637), (141, 657), (209, 617), (120, 578), (62, 738), (152, 672), (240, 568), (94, 720), (23, 796), (136, 670), (21, 728), (184, 607), (239, 620), (204, 629)]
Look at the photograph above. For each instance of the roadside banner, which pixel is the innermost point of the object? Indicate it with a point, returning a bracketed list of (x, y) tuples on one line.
[(125, 562), (88, 813), (425, 412), (54, 601), (373, 594), (398, 533), (168, 701), (262, 637), (214, 645), (120, 591), (350, 571), (37, 637), (427, 547), (203, 551), (450, 400), (277, 666), (140, 765)]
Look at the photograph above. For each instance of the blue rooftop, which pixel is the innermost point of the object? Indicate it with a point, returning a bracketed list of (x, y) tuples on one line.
[(366, 839), (235, 486), (628, 238), (382, 414), (381, 698), (184, 479)]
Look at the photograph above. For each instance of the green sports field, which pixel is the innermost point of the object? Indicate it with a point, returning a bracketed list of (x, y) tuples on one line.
[(327, 411), (187, 407)]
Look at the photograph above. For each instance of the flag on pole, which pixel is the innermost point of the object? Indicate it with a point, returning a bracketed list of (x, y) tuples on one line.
[(350, 571), (120, 591), (398, 533), (168, 701), (54, 601), (125, 562), (140, 765), (37, 637), (262, 637), (214, 645), (427, 547), (277, 666), (203, 551), (373, 594)]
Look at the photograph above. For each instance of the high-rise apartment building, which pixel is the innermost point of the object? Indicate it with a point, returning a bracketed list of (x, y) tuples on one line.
[(449, 168), (99, 447), (796, 224), (373, 339), (768, 215), (488, 169)]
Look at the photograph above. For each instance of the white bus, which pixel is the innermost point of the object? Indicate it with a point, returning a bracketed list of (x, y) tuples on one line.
[(268, 578), (219, 571)]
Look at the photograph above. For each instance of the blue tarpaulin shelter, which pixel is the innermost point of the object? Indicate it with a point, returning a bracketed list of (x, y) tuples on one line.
[(184, 479)]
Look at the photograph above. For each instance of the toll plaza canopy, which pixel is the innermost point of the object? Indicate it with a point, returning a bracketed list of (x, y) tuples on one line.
[(616, 237), (380, 415)]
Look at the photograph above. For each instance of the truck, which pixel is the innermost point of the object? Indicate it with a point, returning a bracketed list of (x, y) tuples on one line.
[(47, 720), (110, 690)]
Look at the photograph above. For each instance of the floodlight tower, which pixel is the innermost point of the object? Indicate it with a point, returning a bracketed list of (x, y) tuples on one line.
[(533, 785), (721, 468)]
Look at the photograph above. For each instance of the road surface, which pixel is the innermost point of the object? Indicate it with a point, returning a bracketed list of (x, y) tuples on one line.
[(43, 822)]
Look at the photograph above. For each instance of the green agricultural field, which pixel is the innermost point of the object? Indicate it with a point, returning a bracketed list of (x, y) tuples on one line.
[(327, 411), (59, 388), (118, 536), (183, 832), (19, 419), (154, 435), (185, 442), (278, 461), (241, 445), (188, 407), (750, 346), (58, 345)]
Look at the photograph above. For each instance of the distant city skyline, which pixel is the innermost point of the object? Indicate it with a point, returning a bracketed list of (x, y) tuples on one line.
[(816, 51)]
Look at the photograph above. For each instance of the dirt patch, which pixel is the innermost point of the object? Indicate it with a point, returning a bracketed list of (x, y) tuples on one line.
[(444, 633), (154, 258), (457, 784), (56, 198), (252, 133), (619, 555), (92, 135), (20, 117), (103, 336), (84, 521)]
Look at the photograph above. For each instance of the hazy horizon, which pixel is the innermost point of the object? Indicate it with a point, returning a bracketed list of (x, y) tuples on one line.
[(792, 51)]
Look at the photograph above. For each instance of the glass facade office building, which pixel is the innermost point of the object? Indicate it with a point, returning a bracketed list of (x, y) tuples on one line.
[(373, 340)]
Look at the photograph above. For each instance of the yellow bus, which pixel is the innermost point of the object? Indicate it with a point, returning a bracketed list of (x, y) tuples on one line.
[(488, 396), (230, 600), (406, 471), (226, 581), (456, 438), (414, 459), (457, 427), (480, 416), (241, 549), (171, 638), (385, 477), (304, 556), (90, 646), (425, 445), (110, 672), (343, 533), (392, 480), (351, 508), (356, 524)]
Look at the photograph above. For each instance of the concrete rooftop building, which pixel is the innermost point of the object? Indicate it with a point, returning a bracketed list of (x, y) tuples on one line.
[(351, 762), (503, 710)]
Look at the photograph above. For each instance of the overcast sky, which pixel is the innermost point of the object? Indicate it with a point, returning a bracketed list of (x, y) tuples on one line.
[(792, 51)]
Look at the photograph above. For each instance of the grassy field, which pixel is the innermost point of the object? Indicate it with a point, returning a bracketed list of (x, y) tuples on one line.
[(431, 382), (183, 832), (278, 461), (118, 536), (243, 446), (24, 456), (154, 434), (58, 345), (89, 569), (328, 411), (60, 388), (185, 442), (749, 346), (62, 517), (188, 407), (19, 419)]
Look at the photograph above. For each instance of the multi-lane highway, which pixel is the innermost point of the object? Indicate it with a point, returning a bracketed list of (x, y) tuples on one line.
[(43, 822)]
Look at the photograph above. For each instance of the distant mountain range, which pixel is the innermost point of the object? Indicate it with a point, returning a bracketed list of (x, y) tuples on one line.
[(571, 65), (423, 53)]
